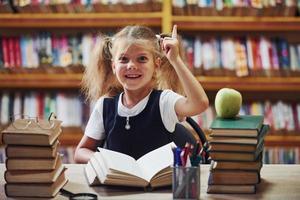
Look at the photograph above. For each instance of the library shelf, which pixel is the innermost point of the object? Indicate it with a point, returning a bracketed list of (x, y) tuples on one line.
[(153, 19), (235, 23), (40, 80), (79, 20), (251, 83), (72, 81), (164, 19), (70, 136), (283, 140)]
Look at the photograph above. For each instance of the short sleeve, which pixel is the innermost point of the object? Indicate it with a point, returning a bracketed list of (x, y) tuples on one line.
[(95, 127), (167, 102)]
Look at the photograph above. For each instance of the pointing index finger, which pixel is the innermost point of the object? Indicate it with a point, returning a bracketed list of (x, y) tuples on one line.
[(174, 31)]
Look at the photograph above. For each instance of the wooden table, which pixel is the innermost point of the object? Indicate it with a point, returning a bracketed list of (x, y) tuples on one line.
[(278, 182)]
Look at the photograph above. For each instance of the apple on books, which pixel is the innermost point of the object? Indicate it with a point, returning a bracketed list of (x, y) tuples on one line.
[(228, 102)]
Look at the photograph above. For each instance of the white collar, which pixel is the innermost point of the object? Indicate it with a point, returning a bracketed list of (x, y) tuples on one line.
[(135, 110)]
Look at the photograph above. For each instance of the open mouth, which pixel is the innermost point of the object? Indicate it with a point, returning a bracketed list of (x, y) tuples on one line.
[(133, 76)]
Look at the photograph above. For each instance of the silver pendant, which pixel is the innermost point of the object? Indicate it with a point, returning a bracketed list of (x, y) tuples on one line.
[(127, 126)]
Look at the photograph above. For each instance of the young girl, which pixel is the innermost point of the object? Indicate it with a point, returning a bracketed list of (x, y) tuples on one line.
[(131, 114)]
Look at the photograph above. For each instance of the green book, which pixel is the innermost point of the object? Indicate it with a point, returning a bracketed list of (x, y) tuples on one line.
[(241, 126)]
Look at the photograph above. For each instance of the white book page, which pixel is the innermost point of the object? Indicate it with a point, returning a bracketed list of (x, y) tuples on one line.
[(98, 169), (121, 162), (90, 173), (156, 160)]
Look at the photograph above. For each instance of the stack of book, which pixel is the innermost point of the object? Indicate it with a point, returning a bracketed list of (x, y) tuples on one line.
[(33, 166), (236, 148)]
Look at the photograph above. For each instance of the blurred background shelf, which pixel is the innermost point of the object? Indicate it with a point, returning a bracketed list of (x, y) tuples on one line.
[(81, 20), (72, 80), (225, 23)]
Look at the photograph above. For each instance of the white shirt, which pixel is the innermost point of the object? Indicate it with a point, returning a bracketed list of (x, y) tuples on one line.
[(167, 100)]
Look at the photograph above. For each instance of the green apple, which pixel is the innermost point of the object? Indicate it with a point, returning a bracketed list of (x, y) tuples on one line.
[(228, 103)]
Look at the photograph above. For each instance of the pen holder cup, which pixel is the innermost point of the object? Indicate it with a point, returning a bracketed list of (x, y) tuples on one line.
[(186, 182)]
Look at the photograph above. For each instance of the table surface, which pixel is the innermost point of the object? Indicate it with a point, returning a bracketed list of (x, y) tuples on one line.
[(278, 182)]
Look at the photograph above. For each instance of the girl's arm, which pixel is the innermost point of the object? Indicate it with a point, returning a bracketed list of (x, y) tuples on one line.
[(85, 149), (196, 100)]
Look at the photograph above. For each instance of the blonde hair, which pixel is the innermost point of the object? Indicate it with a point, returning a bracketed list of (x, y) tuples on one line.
[(98, 78)]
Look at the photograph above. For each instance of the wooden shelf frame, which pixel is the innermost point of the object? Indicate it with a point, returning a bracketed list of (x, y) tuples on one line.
[(226, 23), (251, 83), (211, 83), (152, 19), (283, 140), (72, 135), (79, 20), (40, 80)]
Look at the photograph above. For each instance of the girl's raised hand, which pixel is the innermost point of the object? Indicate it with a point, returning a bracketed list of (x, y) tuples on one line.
[(174, 32), (170, 46)]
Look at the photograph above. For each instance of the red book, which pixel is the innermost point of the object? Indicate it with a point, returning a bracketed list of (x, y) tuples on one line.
[(11, 52), (5, 52), (17, 50), (256, 55), (40, 105)]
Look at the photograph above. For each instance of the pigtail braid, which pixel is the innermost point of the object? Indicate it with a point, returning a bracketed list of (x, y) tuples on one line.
[(98, 78)]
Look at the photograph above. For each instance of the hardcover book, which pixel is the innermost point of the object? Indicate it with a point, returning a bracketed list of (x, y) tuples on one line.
[(236, 165), (25, 151), (34, 176), (32, 163), (46, 190), (234, 147), (114, 168), (31, 132), (242, 140), (231, 189), (241, 126), (237, 156), (233, 177)]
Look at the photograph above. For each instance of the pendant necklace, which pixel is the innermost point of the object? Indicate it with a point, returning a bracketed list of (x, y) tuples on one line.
[(127, 126)]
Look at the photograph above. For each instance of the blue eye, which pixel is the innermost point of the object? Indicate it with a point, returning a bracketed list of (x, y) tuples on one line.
[(143, 59)]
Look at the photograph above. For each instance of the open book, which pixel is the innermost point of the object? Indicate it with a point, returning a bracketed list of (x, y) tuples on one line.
[(114, 168)]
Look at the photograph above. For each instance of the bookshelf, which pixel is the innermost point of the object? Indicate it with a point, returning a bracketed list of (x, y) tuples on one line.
[(276, 84), (258, 88), (40, 81), (79, 20), (210, 83), (221, 23), (72, 135)]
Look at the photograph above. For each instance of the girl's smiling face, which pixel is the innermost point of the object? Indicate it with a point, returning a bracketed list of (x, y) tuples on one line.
[(134, 66)]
